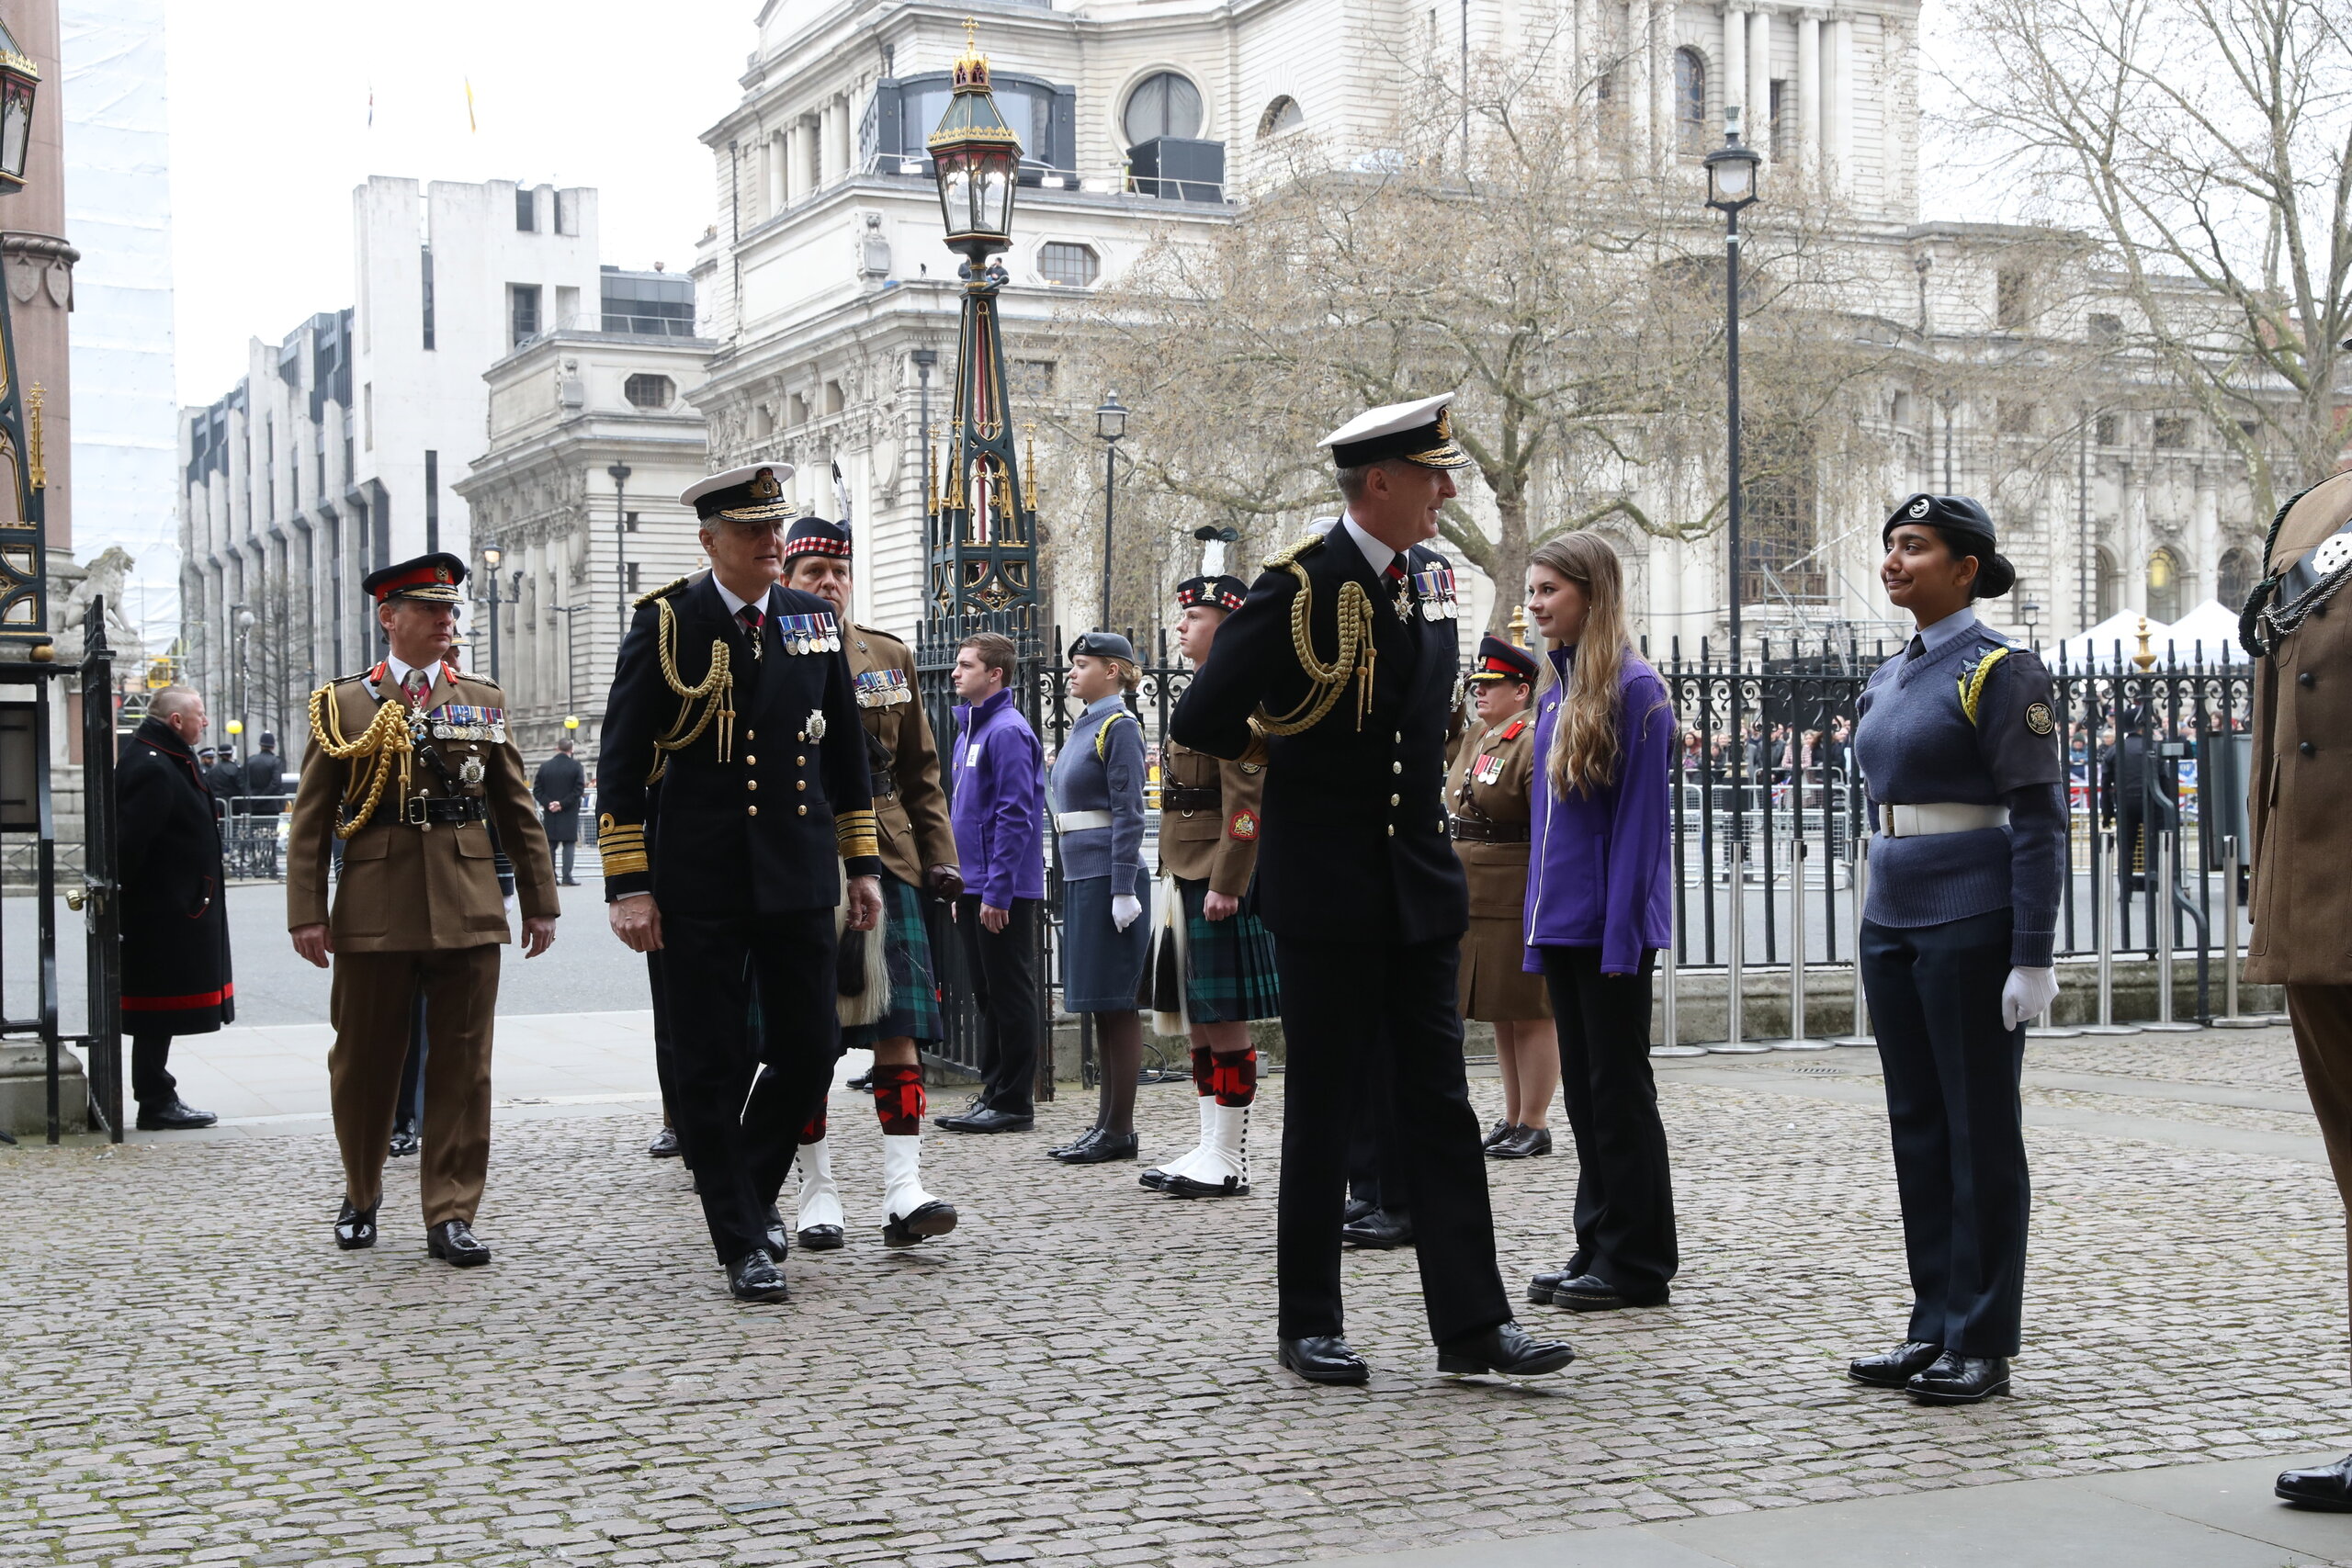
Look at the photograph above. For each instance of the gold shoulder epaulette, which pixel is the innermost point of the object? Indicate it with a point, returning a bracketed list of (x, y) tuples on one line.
[(663, 591), (1285, 555)]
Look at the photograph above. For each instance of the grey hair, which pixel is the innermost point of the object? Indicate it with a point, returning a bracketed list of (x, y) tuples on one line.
[(173, 699), (1352, 480)]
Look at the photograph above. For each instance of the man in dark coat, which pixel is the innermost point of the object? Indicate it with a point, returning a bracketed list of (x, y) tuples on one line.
[(561, 788), (225, 778), (174, 922)]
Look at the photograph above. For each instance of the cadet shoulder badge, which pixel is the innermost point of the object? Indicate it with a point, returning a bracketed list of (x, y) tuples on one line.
[(1242, 825), (2038, 719)]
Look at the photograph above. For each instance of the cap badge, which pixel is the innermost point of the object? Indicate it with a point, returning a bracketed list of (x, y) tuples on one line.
[(764, 485), (1918, 508), (1445, 425), (440, 574)]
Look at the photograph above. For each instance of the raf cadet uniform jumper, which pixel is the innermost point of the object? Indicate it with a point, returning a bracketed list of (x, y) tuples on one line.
[(743, 714), (411, 769), (1097, 790), (1358, 881), (1958, 748)]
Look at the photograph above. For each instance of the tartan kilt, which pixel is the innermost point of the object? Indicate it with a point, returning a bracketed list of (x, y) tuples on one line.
[(1228, 965), (914, 985)]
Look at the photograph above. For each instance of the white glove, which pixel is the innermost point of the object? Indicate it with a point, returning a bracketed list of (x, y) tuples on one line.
[(2027, 995), (1124, 910)]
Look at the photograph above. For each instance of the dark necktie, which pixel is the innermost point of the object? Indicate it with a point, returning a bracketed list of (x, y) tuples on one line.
[(752, 618), (1918, 649), (1398, 593)]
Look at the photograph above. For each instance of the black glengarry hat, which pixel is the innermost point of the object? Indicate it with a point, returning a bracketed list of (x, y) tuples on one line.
[(816, 537)]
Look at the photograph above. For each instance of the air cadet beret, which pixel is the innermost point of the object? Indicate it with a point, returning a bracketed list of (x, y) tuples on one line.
[(1500, 660), (753, 494), (429, 579), (1104, 645), (1217, 592), (1967, 528), (814, 536), (1420, 432)]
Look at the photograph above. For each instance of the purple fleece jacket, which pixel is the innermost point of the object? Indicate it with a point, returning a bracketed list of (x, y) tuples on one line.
[(1599, 864), (997, 800)]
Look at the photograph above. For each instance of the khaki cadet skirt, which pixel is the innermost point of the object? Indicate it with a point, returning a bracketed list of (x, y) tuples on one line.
[(1493, 988)]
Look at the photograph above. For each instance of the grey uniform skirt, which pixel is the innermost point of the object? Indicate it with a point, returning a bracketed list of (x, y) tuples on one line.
[(1102, 965)]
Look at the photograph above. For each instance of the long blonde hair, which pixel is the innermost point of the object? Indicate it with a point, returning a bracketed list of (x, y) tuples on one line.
[(1584, 740)]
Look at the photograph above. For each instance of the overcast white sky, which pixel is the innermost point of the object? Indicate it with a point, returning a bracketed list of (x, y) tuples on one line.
[(269, 105)]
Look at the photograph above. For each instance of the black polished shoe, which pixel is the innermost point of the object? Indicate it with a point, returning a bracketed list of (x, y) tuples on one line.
[(779, 1238), (1063, 1150), (755, 1278), (1497, 1134), (354, 1228), (986, 1119), (1590, 1293), (1380, 1230), (1357, 1209), (173, 1116), (1527, 1143), (1959, 1380), (1895, 1368), (665, 1145), (861, 1084), (1541, 1287), (2328, 1488), (934, 1218), (453, 1241), (821, 1238), (1105, 1148), (404, 1142), (1505, 1349), (1324, 1357)]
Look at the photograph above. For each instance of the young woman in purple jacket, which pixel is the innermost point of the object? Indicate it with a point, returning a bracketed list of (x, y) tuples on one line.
[(1599, 905)]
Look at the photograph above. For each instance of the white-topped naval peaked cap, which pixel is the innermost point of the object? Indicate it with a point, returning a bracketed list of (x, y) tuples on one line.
[(1420, 432), (751, 493)]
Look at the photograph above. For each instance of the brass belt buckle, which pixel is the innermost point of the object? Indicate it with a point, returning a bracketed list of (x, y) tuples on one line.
[(416, 814)]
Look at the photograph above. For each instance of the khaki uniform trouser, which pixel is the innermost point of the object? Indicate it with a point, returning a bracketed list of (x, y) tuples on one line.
[(373, 1002)]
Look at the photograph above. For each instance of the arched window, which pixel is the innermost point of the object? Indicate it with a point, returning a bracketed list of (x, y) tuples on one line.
[(1283, 114), (2234, 578), (2110, 584), (1691, 102), (1164, 105), (2163, 586)]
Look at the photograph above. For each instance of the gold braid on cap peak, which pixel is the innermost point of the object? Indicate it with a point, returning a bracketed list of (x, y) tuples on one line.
[(384, 745), (713, 698)]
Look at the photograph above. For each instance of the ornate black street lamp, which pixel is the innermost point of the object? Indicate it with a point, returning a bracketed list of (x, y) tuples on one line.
[(18, 78), (1731, 189), (1110, 423)]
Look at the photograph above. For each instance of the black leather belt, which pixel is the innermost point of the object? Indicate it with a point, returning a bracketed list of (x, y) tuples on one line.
[(884, 786), (431, 811), (1180, 797), (1486, 832)]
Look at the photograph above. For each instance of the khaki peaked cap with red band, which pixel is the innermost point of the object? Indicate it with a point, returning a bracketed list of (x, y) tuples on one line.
[(1501, 660), (429, 579)]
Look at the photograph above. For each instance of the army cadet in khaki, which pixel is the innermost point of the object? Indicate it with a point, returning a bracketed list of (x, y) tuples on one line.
[(409, 765), (918, 846), (1212, 967), (1486, 804), (2299, 628)]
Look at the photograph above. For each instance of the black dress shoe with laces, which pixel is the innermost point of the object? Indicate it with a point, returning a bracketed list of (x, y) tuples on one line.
[(665, 1145), (2328, 1488), (820, 1238), (453, 1241), (1590, 1293), (1325, 1359), (1895, 1368), (986, 1119), (1382, 1231), (354, 1228), (1105, 1148), (1497, 1134), (755, 1278), (1959, 1380), (861, 1084), (1540, 1288), (1506, 1349), (1525, 1142), (1357, 1209), (404, 1142), (779, 1238), (173, 1115), (1063, 1150)]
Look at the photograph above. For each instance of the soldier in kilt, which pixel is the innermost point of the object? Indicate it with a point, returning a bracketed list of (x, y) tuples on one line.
[(1212, 967), (895, 1008)]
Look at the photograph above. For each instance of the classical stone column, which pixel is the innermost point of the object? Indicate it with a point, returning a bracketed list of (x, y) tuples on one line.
[(1759, 78), (1837, 119), (1660, 59), (1806, 141), (1736, 72), (1633, 83)]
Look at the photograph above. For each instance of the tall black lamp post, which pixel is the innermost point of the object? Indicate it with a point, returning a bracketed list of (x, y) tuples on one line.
[(1110, 423), (491, 555), (620, 472), (1731, 188)]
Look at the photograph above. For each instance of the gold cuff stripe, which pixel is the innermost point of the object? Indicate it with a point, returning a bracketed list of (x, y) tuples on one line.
[(628, 865), (854, 834)]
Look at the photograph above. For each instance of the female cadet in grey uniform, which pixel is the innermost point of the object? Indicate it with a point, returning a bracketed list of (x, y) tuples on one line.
[(1097, 791), (1959, 748)]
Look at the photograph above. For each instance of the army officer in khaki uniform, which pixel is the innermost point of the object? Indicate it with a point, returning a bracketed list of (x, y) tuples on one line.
[(410, 765), (1486, 814), (2299, 628)]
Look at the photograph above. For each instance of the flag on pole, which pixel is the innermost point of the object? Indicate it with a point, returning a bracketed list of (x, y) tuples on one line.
[(469, 106)]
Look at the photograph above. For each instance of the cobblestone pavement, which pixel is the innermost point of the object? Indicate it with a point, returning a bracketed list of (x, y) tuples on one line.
[(1084, 1371)]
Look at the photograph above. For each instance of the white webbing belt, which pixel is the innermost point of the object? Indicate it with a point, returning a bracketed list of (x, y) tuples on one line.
[(1940, 817), (1080, 821)]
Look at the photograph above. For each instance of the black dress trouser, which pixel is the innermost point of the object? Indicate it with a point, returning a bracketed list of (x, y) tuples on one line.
[(150, 1078), (1361, 1020), (1625, 1212), (1952, 1099), (1001, 968), (710, 967)]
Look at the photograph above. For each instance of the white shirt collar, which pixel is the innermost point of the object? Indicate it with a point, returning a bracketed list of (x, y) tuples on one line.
[(398, 672), (1957, 625), (734, 604), (1375, 554)]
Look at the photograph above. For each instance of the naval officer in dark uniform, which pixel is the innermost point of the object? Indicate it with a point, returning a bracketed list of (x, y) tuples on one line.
[(1958, 746), (732, 692), (1359, 883)]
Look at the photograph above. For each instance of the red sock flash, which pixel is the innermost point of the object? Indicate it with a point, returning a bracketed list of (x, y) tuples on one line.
[(1234, 1078), (899, 1099)]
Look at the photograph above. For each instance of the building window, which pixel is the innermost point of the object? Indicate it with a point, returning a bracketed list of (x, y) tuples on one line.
[(2013, 299), (628, 522), (1689, 103), (1072, 266), (1031, 377), (426, 261), (2235, 578), (632, 586), (650, 304), (796, 410), (2110, 583), (367, 415), (2018, 418), (649, 391), (2169, 429), (1778, 561), (1165, 105), (835, 399), (1283, 114), (522, 313), (526, 211), (433, 501), (1777, 130), (2107, 431), (2106, 328), (2163, 586)]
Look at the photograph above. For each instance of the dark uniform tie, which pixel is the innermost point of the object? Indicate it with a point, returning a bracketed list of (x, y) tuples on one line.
[(1917, 648), (753, 618), (1395, 578)]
